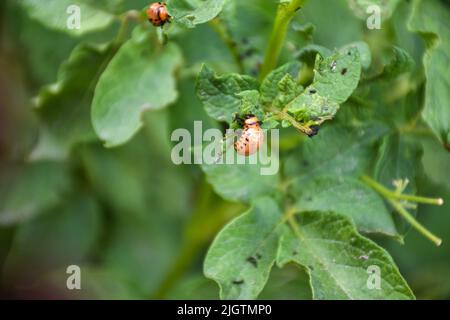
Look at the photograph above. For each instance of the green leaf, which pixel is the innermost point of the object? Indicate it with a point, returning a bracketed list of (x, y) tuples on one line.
[(28, 189), (337, 76), (64, 107), (359, 7), (312, 106), (338, 259), (309, 53), (190, 13), (54, 14), (219, 94), (382, 104), (304, 32), (43, 64), (140, 173), (269, 87), (241, 182), (290, 283), (64, 236), (143, 249), (242, 254), (216, 54), (349, 197), (250, 103), (436, 162), (335, 79), (401, 114), (138, 78), (364, 52), (123, 189), (288, 89), (399, 158), (400, 62), (194, 287), (323, 15), (432, 20), (337, 151), (147, 197)]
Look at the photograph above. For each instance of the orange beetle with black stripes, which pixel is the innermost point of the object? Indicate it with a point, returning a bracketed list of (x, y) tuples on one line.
[(157, 14), (252, 136)]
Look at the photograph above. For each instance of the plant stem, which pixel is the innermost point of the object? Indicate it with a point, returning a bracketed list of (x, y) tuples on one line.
[(408, 217), (122, 30), (202, 227), (125, 18), (223, 33), (393, 198), (285, 13), (295, 227), (418, 199), (392, 195), (286, 116)]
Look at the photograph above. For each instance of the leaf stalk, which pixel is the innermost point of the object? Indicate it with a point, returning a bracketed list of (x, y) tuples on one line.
[(285, 13), (221, 30), (397, 199)]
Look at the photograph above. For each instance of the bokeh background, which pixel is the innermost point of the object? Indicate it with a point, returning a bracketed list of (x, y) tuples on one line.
[(137, 225)]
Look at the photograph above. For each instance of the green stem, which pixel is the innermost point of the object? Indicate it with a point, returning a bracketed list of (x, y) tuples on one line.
[(224, 35), (408, 217), (188, 253), (210, 214), (285, 13), (399, 196), (286, 116), (394, 199), (418, 199), (122, 30), (125, 18)]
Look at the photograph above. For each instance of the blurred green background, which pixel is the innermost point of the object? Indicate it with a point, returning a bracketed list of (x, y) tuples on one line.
[(136, 224)]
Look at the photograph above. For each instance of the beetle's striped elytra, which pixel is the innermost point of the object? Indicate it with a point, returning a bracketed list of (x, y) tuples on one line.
[(252, 137), (157, 14)]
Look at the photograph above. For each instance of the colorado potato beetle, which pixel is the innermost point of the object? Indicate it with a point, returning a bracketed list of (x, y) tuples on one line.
[(157, 14), (252, 136)]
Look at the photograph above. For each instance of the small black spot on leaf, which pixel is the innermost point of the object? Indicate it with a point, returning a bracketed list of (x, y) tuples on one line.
[(344, 71), (237, 282), (253, 261)]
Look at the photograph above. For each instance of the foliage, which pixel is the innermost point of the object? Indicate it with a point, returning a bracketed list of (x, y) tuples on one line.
[(86, 175)]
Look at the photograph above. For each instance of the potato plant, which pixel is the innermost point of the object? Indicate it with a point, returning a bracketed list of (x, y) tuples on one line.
[(93, 91)]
